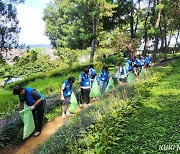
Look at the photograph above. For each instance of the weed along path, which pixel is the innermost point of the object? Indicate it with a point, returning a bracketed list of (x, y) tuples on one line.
[(30, 145)]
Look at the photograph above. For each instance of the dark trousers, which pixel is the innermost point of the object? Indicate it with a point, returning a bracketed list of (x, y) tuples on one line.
[(38, 115), (85, 96)]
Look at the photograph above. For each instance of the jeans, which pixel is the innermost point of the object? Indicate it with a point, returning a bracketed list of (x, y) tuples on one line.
[(103, 85)]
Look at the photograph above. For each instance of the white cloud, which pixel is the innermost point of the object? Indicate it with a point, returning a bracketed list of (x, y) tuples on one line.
[(32, 25), (45, 1)]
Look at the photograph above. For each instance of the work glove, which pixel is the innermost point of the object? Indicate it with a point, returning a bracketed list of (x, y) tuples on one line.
[(32, 107)]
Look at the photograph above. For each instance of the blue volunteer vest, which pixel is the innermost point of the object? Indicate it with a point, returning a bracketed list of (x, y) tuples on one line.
[(68, 89), (104, 76), (137, 62), (128, 61), (130, 69), (142, 62), (147, 60), (29, 99), (93, 71), (123, 71), (85, 80)]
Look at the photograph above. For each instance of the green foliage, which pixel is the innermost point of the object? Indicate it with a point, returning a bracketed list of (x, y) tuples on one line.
[(32, 63), (154, 124), (67, 135), (112, 59), (8, 103), (53, 73), (69, 56), (9, 28), (70, 23), (4, 70), (159, 7), (140, 123), (11, 133), (47, 83)]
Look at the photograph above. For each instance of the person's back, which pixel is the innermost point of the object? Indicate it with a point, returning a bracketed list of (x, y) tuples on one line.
[(66, 92), (36, 101), (104, 77), (131, 68), (93, 74), (85, 85)]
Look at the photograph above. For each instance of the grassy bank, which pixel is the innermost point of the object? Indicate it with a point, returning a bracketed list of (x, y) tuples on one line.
[(139, 123)]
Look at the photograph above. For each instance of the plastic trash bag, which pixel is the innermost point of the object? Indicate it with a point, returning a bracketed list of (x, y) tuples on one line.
[(110, 85), (117, 75), (95, 90), (142, 73), (73, 105), (28, 120), (130, 78)]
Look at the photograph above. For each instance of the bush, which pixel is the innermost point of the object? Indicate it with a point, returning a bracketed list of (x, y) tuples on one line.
[(54, 73), (11, 131)]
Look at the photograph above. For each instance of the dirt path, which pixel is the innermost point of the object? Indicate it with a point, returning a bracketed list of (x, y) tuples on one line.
[(28, 146), (31, 144)]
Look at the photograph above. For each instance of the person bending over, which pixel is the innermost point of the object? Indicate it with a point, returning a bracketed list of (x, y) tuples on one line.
[(36, 101)]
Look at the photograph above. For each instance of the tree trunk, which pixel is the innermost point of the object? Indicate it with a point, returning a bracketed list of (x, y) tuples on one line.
[(162, 44), (176, 49), (155, 47), (132, 19), (156, 36), (137, 19), (145, 32), (93, 46), (170, 36), (165, 38)]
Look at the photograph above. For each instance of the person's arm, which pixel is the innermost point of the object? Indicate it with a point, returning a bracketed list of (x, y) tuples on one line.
[(21, 104), (37, 97), (37, 102), (61, 92), (80, 80)]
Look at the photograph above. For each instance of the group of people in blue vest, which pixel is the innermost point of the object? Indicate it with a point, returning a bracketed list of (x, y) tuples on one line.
[(36, 101), (86, 79), (136, 63), (89, 74)]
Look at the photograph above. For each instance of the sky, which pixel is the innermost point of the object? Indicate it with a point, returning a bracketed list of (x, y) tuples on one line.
[(32, 26), (30, 20)]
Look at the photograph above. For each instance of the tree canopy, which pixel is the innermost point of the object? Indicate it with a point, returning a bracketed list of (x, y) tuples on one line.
[(9, 28)]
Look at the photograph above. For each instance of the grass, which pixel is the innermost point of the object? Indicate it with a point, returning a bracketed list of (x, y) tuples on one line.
[(47, 86), (140, 124), (8, 102), (155, 123)]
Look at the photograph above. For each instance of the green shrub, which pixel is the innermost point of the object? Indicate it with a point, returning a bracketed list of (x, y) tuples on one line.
[(106, 127)]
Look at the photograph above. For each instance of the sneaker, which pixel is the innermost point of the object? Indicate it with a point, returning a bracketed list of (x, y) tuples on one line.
[(80, 105), (89, 104), (37, 133), (68, 113), (63, 116)]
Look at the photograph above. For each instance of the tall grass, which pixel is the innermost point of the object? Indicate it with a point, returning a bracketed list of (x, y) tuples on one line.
[(8, 102)]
